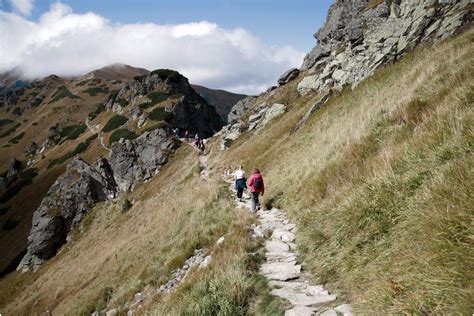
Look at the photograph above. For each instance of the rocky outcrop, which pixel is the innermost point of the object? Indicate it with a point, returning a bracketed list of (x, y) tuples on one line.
[(82, 186), (261, 116), (171, 91), (138, 160), (67, 201), (239, 108), (288, 76), (360, 36)]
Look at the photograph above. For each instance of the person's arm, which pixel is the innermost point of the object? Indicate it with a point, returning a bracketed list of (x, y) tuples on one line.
[(263, 186), (251, 181)]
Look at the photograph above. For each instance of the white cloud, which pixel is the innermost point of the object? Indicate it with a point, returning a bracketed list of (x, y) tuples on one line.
[(22, 6), (65, 43)]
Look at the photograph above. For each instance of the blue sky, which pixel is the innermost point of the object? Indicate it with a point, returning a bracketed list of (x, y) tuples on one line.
[(279, 22), (240, 46)]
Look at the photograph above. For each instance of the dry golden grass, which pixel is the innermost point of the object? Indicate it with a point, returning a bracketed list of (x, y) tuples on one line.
[(365, 167)]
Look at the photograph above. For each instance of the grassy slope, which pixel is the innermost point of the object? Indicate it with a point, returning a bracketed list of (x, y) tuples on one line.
[(380, 182), (120, 253)]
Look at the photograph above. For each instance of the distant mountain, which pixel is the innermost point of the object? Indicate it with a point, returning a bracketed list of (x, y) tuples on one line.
[(117, 72), (222, 100), (11, 81)]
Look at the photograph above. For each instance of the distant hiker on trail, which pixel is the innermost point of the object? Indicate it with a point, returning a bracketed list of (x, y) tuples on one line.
[(256, 187), (176, 132), (201, 146), (240, 182)]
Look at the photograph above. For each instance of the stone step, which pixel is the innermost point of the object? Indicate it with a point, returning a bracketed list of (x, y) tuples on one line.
[(298, 298), (329, 312), (281, 271), (280, 257), (276, 246), (344, 309), (283, 235), (301, 311)]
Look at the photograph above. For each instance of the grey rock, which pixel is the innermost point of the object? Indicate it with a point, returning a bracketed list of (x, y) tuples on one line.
[(302, 299), (276, 246), (13, 168), (301, 311), (288, 76), (112, 312), (281, 271), (240, 108), (329, 312), (70, 197), (137, 160), (230, 134), (361, 39), (344, 309)]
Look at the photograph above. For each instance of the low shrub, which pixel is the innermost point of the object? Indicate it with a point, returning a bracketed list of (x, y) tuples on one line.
[(81, 147), (4, 122), (4, 210), (126, 205), (121, 133), (15, 139), (100, 108), (72, 131), (160, 114), (10, 130), (62, 92), (114, 122), (96, 90), (26, 178), (167, 74)]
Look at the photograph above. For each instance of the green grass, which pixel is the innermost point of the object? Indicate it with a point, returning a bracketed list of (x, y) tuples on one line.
[(80, 148), (4, 122), (121, 133), (155, 126), (167, 74), (160, 114), (380, 183), (96, 90), (62, 92), (100, 108), (10, 130), (155, 98), (17, 138), (72, 131), (122, 102), (114, 122)]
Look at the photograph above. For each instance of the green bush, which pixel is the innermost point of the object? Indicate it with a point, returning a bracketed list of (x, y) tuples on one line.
[(62, 92), (122, 102), (96, 90), (5, 122), (155, 98), (167, 74), (160, 114), (126, 205), (15, 139), (10, 130), (81, 147), (28, 174), (100, 108), (121, 133), (114, 122), (72, 131)]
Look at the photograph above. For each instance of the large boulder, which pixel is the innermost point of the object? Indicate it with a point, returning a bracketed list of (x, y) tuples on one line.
[(239, 108), (133, 161), (67, 201), (360, 36), (288, 75)]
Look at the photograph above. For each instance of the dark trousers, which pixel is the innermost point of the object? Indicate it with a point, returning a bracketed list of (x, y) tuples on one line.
[(240, 191), (255, 202)]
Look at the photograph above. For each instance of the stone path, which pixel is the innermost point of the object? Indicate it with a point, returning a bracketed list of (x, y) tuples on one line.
[(282, 268)]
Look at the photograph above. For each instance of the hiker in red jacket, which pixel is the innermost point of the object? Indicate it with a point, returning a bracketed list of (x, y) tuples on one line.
[(256, 187)]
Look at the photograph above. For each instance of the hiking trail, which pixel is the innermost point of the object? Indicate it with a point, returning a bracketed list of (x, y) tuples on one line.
[(97, 130), (281, 267)]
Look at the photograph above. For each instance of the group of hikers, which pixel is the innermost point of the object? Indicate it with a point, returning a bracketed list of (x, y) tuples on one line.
[(255, 185), (198, 141)]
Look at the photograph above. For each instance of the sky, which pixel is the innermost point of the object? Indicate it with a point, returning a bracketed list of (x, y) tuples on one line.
[(236, 45)]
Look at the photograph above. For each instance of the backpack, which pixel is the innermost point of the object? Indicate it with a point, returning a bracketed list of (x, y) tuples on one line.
[(258, 183)]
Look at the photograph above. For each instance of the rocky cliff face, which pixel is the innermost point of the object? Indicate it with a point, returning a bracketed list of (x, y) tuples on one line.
[(172, 92), (359, 36), (83, 185)]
